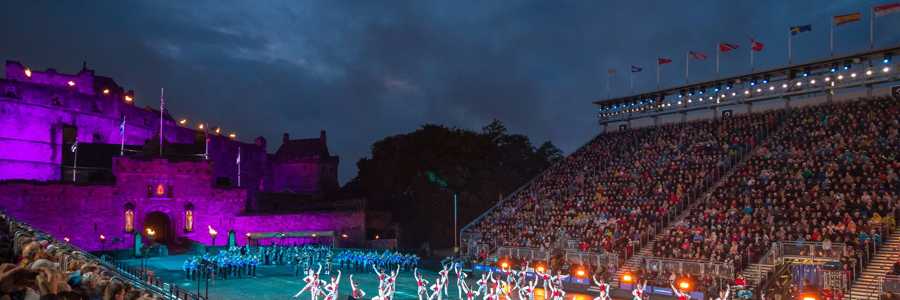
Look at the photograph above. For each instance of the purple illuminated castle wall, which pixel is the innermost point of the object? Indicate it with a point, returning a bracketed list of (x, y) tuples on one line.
[(42, 113)]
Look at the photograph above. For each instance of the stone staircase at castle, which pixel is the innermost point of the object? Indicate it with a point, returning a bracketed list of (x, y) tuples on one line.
[(868, 285)]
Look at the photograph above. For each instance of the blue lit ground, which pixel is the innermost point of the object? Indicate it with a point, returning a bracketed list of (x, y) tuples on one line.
[(279, 282)]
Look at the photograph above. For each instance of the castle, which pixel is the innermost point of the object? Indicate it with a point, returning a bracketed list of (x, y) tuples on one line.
[(80, 160)]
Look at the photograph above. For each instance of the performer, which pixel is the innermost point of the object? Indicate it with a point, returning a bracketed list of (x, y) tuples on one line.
[(679, 294), (526, 290), (421, 284), (436, 289), (460, 280), (724, 296), (445, 272), (470, 295), (557, 292), (638, 292), (483, 282), (604, 288), (355, 292), (330, 291), (312, 284)]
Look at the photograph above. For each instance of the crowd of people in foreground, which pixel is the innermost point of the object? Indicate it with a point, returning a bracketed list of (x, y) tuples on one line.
[(35, 266)]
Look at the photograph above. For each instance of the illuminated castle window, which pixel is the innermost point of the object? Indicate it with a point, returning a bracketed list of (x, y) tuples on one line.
[(129, 217), (160, 190), (189, 218)]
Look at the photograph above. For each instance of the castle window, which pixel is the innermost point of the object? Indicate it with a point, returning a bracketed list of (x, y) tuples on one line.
[(189, 218), (129, 218)]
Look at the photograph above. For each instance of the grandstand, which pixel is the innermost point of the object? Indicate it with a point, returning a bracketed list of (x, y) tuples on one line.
[(792, 169)]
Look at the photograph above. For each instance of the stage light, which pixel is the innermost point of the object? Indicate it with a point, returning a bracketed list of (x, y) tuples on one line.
[(232, 135), (200, 126), (840, 77), (758, 90), (218, 130), (886, 69), (799, 83), (886, 60), (812, 81), (344, 235), (689, 100), (377, 237), (846, 67), (28, 72), (723, 95), (853, 75), (746, 92), (504, 265), (128, 98), (627, 277), (66, 239), (700, 92), (771, 88), (71, 83), (833, 70), (717, 90), (106, 91), (752, 83), (869, 72), (733, 94), (765, 81), (102, 237), (710, 98), (784, 85), (805, 74), (247, 235), (182, 121), (679, 102), (315, 235), (684, 285), (827, 79)]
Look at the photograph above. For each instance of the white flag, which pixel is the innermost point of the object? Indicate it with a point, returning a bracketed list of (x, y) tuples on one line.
[(239, 157), (74, 146), (122, 126)]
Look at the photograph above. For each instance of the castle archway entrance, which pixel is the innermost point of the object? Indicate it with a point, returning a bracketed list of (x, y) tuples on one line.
[(160, 225)]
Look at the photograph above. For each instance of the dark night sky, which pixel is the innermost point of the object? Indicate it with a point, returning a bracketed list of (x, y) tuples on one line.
[(367, 69)]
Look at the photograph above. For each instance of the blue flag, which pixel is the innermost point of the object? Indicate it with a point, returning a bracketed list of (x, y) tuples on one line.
[(802, 28), (635, 69)]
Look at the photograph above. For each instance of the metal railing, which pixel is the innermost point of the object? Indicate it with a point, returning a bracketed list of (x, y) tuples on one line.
[(890, 285), (695, 267)]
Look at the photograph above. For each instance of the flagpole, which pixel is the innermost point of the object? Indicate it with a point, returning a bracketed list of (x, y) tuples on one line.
[(751, 56), (239, 166), (831, 40), (631, 83), (687, 66), (717, 60), (790, 40), (872, 28), (162, 103), (205, 142), (608, 85), (75, 161), (122, 137), (657, 74)]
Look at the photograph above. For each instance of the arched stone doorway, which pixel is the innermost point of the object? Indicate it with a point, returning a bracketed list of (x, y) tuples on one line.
[(161, 224)]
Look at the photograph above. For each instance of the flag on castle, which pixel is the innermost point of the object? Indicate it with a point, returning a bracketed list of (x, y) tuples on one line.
[(663, 61), (74, 146), (635, 69)]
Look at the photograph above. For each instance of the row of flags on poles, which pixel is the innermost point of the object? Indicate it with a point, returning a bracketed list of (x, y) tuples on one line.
[(757, 46)]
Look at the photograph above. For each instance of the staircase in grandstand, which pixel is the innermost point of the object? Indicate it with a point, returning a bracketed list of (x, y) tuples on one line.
[(869, 284)]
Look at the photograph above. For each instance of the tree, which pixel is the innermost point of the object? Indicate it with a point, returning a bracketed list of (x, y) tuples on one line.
[(400, 176)]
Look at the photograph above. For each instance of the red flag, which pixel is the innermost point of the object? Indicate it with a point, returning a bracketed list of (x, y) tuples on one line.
[(697, 55), (725, 47), (756, 45), (663, 61), (886, 9)]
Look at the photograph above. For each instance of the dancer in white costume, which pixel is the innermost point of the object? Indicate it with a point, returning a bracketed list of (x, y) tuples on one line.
[(436, 289), (681, 295), (330, 290), (526, 290), (638, 292), (557, 292), (312, 284), (355, 292), (460, 279), (445, 272), (421, 284), (724, 296), (483, 282), (604, 289), (470, 294)]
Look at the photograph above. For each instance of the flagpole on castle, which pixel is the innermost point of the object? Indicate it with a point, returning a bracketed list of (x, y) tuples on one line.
[(687, 66), (631, 82), (122, 137), (751, 56), (239, 167), (162, 108), (75, 160)]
